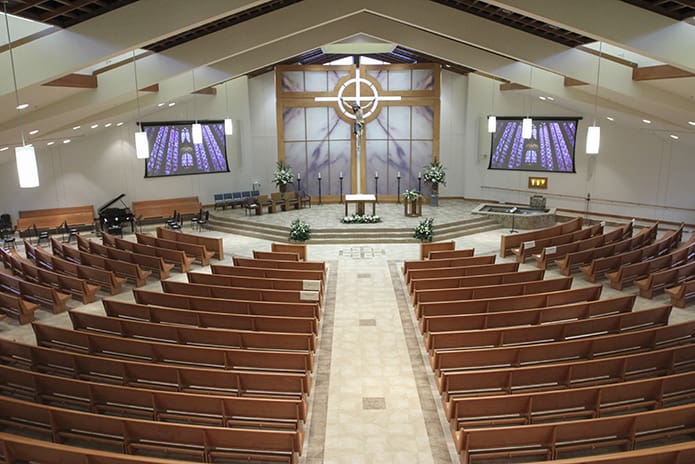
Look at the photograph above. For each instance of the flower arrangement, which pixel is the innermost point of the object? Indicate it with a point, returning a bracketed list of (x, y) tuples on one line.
[(434, 173), (424, 230), (411, 195), (360, 219), (283, 174), (300, 231)]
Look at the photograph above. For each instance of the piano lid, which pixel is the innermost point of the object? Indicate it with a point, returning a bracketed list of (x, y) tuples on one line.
[(111, 202)]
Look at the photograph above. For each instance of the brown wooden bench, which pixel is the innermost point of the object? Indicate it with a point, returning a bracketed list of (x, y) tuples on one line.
[(267, 273), (195, 336), (600, 266), (628, 273), (578, 403), (167, 377), (37, 293), (451, 254), (300, 249), (198, 252), (660, 280), (548, 255), (682, 293), (528, 317), (477, 281), (154, 405), (492, 291), (150, 351), (17, 307), (53, 218), (228, 306), (240, 293), (152, 263), (177, 257), (566, 374), (136, 436), (679, 453), (426, 248), (530, 247), (586, 348), (591, 436), (409, 266), (275, 264), (215, 245), (507, 242), (155, 209), (276, 255), (559, 331), (255, 282), (466, 271), (198, 318), (285, 200), (508, 303)]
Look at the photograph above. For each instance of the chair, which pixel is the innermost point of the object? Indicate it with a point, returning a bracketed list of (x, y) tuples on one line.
[(177, 224), (173, 219), (43, 235), (255, 193), (219, 200), (251, 205), (228, 200), (196, 217), (304, 199), (70, 231), (236, 200), (203, 221)]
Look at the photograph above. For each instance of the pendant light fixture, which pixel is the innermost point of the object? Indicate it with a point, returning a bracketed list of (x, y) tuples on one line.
[(228, 126), (492, 119), (142, 146), (527, 122), (196, 128), (593, 133), (27, 169)]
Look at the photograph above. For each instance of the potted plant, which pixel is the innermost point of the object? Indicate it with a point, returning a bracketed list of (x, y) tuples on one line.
[(283, 175), (300, 231), (424, 231), (434, 174)]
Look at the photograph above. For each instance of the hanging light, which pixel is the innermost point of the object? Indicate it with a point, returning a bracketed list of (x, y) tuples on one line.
[(27, 169), (492, 119), (228, 126), (527, 122), (593, 133), (142, 146), (196, 128)]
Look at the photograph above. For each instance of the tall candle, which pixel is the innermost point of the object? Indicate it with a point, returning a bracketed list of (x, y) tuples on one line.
[(376, 174), (341, 174), (299, 176), (418, 175), (319, 175), (399, 174)]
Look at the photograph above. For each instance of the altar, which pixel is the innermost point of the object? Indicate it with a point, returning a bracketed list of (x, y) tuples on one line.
[(360, 199)]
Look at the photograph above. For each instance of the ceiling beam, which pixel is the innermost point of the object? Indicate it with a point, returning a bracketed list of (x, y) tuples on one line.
[(665, 71), (80, 81)]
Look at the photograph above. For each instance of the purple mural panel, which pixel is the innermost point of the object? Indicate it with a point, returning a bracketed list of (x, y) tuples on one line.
[(295, 156), (377, 162), (340, 162), (294, 124), (423, 79), (318, 162), (423, 122), (292, 81), (421, 156)]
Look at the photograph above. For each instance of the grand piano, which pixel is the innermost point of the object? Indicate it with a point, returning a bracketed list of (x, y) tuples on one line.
[(111, 219)]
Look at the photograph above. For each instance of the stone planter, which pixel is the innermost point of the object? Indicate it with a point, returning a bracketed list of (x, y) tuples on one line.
[(412, 207), (434, 197)]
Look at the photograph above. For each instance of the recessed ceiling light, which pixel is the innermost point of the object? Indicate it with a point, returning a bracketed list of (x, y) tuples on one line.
[(94, 126), (66, 141), (172, 104), (108, 124), (22, 106), (551, 99), (692, 123), (541, 97), (4, 148), (610, 118), (160, 104), (119, 124), (76, 127), (674, 136), (34, 132), (646, 121), (50, 143)]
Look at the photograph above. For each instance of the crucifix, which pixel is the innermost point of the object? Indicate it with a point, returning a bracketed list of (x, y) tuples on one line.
[(353, 108)]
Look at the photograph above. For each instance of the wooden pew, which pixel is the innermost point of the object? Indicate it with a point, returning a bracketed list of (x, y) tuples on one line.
[(37, 293), (525, 335), (529, 317), (153, 405), (425, 248), (492, 291), (53, 218), (409, 266), (553, 440), (275, 264), (531, 247), (152, 263), (17, 307), (177, 257), (578, 403), (135, 436), (679, 453), (682, 293), (660, 280), (155, 209), (166, 377), (255, 282), (466, 271), (227, 306), (508, 242), (589, 348), (198, 252), (477, 281), (221, 358), (600, 266), (451, 254), (487, 305), (267, 273), (276, 255), (162, 315), (212, 244), (240, 293), (628, 273), (550, 254), (300, 249), (567, 374), (195, 336)]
